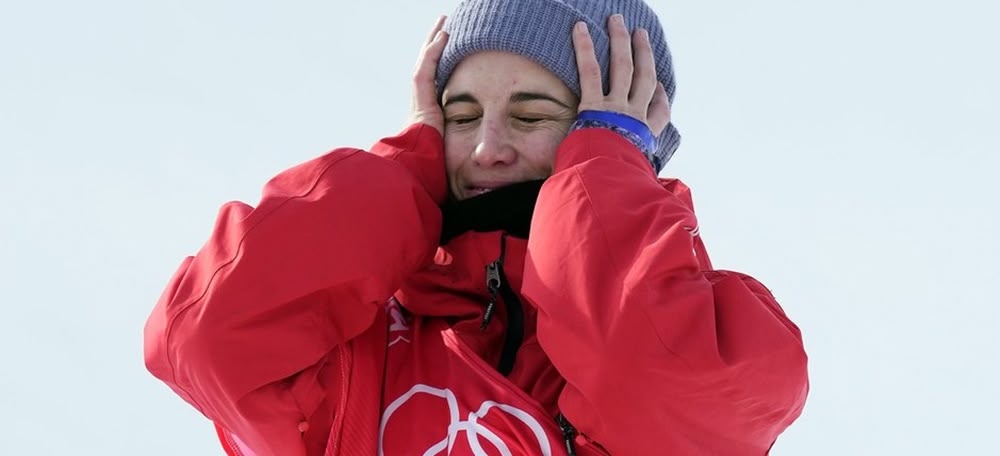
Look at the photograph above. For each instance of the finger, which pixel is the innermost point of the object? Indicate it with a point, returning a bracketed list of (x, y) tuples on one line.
[(658, 115), (438, 25), (621, 58), (430, 56), (432, 38), (425, 91), (591, 89), (644, 76)]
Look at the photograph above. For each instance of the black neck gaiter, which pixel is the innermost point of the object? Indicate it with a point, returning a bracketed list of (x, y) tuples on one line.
[(506, 209)]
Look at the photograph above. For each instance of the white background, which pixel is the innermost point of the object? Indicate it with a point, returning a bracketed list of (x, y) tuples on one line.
[(842, 152)]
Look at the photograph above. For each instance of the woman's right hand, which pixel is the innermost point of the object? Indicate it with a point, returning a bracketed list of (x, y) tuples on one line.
[(425, 108)]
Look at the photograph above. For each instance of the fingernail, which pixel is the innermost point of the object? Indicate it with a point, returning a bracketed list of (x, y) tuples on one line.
[(620, 18), (438, 35), (581, 26)]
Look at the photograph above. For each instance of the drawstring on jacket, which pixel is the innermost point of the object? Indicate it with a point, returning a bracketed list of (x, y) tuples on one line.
[(496, 283)]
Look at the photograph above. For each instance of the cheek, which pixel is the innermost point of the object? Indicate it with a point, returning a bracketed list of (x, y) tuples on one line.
[(456, 151), (540, 149)]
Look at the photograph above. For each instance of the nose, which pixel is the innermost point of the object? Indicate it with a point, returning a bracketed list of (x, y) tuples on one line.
[(494, 147)]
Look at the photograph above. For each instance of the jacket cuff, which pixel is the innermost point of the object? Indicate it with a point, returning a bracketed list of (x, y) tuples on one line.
[(586, 144)]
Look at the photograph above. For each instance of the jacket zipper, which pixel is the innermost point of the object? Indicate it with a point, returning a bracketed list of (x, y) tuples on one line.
[(496, 283), (493, 283), (569, 434)]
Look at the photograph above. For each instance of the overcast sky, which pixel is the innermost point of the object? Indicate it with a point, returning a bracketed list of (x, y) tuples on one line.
[(842, 152)]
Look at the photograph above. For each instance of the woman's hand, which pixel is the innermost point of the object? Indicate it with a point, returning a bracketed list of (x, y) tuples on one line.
[(634, 87), (424, 106)]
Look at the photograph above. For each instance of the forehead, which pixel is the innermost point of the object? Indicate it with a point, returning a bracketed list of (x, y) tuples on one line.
[(486, 74)]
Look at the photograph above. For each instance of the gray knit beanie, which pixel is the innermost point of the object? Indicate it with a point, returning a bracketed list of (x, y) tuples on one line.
[(541, 31)]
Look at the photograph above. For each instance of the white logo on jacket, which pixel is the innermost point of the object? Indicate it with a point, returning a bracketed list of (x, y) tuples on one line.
[(473, 430), (398, 328)]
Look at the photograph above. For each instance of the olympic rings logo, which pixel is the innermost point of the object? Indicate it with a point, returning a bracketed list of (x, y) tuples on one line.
[(470, 426)]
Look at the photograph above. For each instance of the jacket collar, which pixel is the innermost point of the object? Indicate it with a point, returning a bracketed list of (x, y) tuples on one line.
[(458, 271)]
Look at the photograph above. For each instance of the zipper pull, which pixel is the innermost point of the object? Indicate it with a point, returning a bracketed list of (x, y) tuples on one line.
[(493, 286), (569, 434)]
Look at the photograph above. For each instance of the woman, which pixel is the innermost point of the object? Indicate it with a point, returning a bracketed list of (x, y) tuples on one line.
[(506, 276)]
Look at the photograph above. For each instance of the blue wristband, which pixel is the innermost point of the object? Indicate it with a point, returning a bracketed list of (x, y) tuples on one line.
[(624, 121)]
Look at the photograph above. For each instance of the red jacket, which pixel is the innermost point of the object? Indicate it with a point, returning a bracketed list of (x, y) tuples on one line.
[(286, 329)]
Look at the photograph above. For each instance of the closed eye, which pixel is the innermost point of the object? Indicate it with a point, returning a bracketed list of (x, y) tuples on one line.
[(529, 120), (463, 120)]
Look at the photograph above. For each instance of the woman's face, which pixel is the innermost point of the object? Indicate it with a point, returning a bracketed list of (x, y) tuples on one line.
[(505, 115)]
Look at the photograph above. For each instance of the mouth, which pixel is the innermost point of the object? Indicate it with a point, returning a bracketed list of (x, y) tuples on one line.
[(480, 188), (476, 191)]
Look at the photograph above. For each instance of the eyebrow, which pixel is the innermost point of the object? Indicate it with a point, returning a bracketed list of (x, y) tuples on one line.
[(464, 97), (533, 96), (518, 97)]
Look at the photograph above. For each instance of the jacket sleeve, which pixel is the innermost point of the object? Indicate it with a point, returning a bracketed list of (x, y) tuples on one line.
[(660, 355), (242, 327)]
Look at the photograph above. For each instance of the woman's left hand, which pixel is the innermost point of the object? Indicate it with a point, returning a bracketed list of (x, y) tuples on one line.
[(635, 90)]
